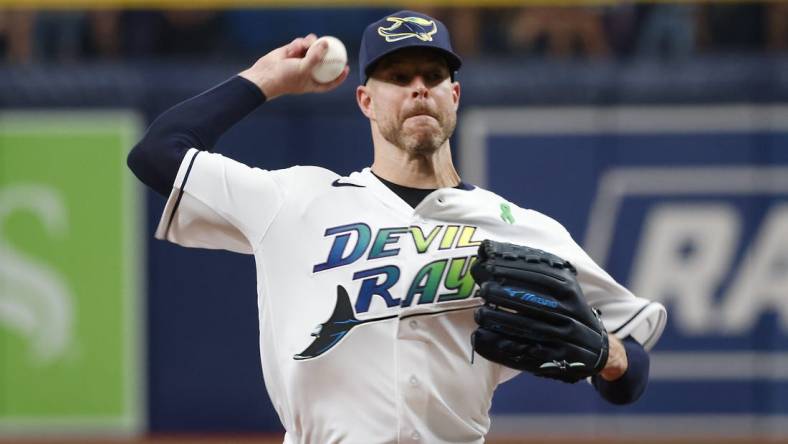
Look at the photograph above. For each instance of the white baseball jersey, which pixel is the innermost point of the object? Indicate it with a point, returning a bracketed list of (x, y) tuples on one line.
[(365, 303)]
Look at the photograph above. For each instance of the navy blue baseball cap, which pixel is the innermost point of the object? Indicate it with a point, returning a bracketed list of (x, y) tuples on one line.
[(404, 29)]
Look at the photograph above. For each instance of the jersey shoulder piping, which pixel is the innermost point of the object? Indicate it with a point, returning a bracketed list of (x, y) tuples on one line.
[(336, 183), (180, 194)]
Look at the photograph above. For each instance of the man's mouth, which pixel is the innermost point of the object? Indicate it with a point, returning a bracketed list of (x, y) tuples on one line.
[(421, 115)]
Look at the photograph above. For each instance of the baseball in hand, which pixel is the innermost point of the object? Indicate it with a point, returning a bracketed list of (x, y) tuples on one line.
[(333, 62)]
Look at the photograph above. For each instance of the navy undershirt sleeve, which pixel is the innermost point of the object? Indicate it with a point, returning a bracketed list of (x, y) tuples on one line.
[(629, 387), (195, 123)]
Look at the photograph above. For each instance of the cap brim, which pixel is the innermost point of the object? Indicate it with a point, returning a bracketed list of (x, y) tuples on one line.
[(454, 61)]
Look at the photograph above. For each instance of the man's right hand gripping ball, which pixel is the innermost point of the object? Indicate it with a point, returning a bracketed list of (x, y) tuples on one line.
[(535, 317)]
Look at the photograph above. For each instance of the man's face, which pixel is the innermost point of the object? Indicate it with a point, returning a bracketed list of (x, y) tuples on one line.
[(413, 100)]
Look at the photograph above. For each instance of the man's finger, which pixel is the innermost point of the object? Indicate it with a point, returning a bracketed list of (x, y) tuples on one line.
[(302, 44), (290, 49), (314, 55), (296, 48), (310, 39)]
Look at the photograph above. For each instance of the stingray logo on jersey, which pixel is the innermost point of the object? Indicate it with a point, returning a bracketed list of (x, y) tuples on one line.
[(408, 27), (712, 244), (351, 242)]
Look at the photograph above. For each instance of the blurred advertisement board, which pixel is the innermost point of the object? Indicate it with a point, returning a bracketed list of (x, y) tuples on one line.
[(686, 205), (70, 318)]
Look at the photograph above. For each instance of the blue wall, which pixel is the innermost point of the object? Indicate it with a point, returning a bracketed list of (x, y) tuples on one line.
[(560, 174)]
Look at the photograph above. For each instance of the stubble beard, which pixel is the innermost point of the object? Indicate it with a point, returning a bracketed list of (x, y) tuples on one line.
[(424, 140)]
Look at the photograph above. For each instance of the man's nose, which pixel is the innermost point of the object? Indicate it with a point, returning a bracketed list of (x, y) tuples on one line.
[(419, 87)]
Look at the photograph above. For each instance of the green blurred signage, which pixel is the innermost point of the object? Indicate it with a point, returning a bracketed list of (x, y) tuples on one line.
[(70, 282)]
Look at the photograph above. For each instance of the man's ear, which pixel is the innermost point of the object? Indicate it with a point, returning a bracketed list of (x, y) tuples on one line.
[(364, 100), (455, 94)]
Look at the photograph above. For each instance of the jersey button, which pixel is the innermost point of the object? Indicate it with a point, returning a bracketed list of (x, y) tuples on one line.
[(414, 324), (415, 436), (414, 381)]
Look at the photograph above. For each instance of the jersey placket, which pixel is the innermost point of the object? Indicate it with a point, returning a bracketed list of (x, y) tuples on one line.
[(412, 368), (412, 348), (413, 365), (412, 341)]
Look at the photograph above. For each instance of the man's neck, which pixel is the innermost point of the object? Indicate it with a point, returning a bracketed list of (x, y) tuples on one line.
[(431, 171)]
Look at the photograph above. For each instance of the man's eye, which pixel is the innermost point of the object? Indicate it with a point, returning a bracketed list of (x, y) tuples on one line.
[(435, 77), (399, 78)]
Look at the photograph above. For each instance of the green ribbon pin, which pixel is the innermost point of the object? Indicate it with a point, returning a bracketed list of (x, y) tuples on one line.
[(506, 213)]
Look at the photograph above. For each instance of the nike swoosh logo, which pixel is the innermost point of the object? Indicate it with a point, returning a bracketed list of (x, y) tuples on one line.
[(337, 183)]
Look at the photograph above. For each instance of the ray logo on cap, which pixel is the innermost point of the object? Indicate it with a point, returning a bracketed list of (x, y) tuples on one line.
[(408, 27)]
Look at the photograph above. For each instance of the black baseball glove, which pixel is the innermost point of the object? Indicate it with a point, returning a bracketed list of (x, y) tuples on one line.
[(535, 317)]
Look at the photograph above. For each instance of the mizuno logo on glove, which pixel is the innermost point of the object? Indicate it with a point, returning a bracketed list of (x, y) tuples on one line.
[(530, 297)]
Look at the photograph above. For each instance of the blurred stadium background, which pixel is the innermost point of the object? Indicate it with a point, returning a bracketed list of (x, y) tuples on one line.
[(656, 132)]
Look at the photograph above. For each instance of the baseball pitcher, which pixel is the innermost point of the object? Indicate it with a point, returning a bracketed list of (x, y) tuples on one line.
[(393, 301)]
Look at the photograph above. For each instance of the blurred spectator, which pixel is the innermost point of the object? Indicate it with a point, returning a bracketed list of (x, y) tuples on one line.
[(464, 26), (777, 14), (732, 27), (140, 32), (105, 32), (59, 35), (668, 30), (16, 35), (621, 25), (195, 33), (256, 31), (559, 32)]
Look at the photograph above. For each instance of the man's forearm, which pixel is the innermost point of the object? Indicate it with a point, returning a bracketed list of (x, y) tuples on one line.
[(195, 123)]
